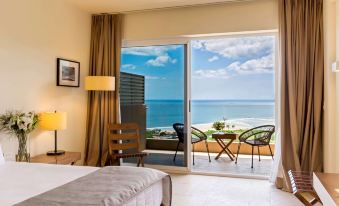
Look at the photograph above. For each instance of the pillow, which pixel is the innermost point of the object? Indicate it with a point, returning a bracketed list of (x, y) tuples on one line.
[(2, 159)]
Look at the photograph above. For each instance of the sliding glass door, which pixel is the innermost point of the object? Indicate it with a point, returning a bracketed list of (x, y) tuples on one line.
[(153, 94), (233, 90), (231, 80)]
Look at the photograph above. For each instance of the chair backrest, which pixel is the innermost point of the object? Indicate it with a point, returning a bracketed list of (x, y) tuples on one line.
[(198, 133), (179, 129), (123, 137), (262, 133)]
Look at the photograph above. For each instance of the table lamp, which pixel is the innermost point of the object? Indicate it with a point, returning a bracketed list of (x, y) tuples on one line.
[(53, 121), (100, 84)]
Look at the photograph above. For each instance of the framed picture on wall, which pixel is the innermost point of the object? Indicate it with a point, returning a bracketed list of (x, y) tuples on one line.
[(68, 73)]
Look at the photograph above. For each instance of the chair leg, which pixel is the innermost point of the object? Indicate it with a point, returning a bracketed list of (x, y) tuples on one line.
[(271, 151), (142, 161), (139, 160), (208, 151), (193, 153), (252, 157), (176, 151), (259, 153), (236, 159)]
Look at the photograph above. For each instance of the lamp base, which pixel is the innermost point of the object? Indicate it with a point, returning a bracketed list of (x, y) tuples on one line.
[(55, 153)]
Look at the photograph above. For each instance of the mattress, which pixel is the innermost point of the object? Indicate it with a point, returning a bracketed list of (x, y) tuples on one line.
[(20, 181), (152, 196)]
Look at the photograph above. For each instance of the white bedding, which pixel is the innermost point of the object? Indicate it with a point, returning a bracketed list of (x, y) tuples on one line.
[(20, 181)]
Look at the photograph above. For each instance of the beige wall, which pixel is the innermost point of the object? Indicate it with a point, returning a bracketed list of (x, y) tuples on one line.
[(331, 113), (33, 34), (336, 145), (229, 17)]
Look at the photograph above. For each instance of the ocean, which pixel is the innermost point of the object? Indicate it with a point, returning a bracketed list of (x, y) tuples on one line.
[(164, 113)]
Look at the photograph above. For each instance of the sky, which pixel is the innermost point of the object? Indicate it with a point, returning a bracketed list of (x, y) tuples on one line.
[(228, 68)]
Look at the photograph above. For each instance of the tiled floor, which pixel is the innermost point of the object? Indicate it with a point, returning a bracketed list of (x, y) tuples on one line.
[(196, 190), (222, 166), (225, 166)]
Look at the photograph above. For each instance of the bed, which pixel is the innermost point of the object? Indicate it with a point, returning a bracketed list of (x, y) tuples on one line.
[(43, 184)]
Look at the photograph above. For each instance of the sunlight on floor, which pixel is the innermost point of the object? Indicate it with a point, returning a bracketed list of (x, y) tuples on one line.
[(197, 190)]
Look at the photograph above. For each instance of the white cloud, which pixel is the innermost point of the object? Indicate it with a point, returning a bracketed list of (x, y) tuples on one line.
[(149, 50), (161, 61), (264, 64), (197, 44), (213, 58), (173, 61), (159, 52), (128, 66), (154, 77), (211, 73), (237, 47)]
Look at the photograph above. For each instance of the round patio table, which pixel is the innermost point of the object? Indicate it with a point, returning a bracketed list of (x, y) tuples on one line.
[(225, 140)]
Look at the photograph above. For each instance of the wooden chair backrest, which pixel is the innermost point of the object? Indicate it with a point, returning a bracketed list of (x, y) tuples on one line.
[(123, 137), (302, 186)]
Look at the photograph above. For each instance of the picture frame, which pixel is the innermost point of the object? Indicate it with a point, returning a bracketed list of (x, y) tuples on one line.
[(68, 73)]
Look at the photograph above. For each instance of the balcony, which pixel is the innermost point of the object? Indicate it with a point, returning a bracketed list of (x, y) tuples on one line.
[(162, 148), (161, 142)]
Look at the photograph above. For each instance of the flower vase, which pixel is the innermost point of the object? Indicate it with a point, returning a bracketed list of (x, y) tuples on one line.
[(23, 155)]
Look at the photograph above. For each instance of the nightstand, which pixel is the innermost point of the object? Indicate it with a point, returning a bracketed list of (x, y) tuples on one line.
[(69, 158)]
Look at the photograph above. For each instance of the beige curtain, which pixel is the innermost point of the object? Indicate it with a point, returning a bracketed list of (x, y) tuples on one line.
[(302, 71), (104, 61)]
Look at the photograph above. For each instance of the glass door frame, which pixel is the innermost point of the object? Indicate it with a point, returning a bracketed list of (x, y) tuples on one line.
[(186, 41), (187, 96)]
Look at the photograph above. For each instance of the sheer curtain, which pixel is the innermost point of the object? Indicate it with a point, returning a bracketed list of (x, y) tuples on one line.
[(276, 173)]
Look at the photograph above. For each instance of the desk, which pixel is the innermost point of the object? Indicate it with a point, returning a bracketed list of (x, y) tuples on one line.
[(225, 140), (327, 187), (69, 158)]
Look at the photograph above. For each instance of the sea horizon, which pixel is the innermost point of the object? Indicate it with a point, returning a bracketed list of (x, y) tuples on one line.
[(211, 100), (163, 113)]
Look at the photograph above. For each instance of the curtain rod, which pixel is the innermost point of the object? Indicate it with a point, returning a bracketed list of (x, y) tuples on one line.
[(174, 7)]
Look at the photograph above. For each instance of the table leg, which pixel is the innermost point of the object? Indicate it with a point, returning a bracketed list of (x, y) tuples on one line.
[(224, 148), (230, 152), (217, 157)]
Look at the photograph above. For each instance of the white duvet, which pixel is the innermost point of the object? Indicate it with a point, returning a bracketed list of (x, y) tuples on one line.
[(20, 181)]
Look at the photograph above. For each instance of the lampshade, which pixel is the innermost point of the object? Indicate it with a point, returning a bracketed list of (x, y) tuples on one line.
[(100, 83), (53, 120)]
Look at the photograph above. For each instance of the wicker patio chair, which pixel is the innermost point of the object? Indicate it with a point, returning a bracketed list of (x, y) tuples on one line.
[(197, 136), (257, 137)]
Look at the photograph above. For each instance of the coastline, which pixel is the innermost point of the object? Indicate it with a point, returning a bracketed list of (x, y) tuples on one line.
[(234, 124)]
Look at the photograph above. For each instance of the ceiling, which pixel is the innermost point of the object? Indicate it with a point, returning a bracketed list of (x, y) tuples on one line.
[(114, 6)]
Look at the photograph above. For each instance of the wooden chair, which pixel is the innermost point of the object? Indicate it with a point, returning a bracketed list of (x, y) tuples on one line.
[(302, 185), (124, 141)]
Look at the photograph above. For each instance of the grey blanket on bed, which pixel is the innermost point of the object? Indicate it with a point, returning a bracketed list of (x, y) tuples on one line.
[(111, 186)]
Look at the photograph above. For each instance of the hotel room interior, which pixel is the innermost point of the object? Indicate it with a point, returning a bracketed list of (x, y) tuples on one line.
[(171, 102)]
